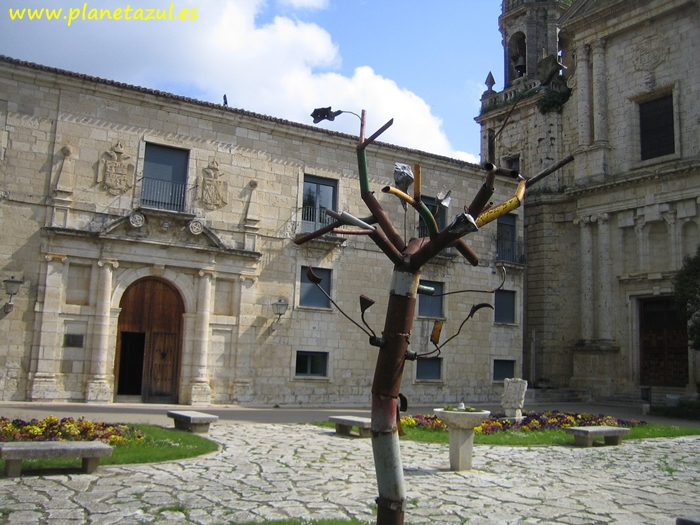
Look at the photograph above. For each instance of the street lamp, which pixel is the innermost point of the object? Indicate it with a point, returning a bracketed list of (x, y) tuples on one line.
[(279, 308), (11, 288)]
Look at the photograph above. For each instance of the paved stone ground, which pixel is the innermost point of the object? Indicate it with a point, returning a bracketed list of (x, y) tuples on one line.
[(275, 471)]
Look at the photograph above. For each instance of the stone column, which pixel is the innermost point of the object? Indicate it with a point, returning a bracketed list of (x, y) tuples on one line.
[(600, 97), (586, 261), (583, 85), (200, 391), (99, 389), (43, 385), (604, 278)]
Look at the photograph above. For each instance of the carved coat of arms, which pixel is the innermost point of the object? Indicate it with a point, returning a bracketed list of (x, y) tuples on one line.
[(117, 174), (214, 190), (649, 53)]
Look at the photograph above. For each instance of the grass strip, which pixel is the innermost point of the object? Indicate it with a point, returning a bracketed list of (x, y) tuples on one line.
[(158, 444)]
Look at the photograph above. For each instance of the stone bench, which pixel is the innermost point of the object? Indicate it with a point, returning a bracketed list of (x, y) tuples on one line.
[(192, 421), (344, 424), (584, 436), (90, 451), (688, 520)]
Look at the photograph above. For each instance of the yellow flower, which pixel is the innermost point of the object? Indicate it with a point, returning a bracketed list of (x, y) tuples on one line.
[(408, 421)]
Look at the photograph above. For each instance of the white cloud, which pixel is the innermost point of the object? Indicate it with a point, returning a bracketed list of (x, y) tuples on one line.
[(284, 68)]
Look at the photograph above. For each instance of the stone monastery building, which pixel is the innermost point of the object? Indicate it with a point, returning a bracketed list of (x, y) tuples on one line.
[(607, 233), (154, 234)]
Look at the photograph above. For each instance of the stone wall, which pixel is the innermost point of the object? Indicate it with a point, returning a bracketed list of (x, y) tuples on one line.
[(71, 174)]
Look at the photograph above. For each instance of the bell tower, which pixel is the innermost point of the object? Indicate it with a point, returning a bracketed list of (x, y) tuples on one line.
[(528, 27)]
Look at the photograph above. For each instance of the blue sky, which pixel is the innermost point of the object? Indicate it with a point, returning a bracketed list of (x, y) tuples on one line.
[(422, 63)]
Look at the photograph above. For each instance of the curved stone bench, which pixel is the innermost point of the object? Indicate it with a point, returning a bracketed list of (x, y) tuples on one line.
[(90, 451)]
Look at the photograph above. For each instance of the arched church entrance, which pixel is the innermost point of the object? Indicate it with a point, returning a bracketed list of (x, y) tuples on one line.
[(149, 341)]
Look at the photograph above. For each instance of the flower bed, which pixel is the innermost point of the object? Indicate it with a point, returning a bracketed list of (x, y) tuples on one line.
[(67, 429), (532, 421)]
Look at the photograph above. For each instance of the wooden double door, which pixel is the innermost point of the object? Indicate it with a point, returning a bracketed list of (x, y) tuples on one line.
[(149, 341), (664, 344)]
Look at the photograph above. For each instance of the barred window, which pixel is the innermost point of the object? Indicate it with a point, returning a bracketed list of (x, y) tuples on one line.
[(656, 127)]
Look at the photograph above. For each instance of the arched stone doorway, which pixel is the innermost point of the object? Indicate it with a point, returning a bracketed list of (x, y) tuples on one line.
[(149, 341)]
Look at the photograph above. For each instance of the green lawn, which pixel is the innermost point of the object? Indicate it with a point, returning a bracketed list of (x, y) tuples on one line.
[(544, 437), (159, 444)]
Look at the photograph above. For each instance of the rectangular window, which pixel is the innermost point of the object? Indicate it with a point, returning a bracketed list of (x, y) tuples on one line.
[(73, 340), (429, 305), (504, 308), (319, 195), (513, 163), (429, 369), (164, 177), (309, 294), (313, 364), (656, 127), (438, 212), (503, 369), (506, 246)]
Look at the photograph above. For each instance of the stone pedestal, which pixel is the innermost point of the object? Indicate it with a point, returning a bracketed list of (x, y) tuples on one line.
[(461, 428), (98, 391), (43, 387), (513, 397), (200, 394)]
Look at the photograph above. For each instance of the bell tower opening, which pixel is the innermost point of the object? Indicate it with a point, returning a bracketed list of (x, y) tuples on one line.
[(517, 53)]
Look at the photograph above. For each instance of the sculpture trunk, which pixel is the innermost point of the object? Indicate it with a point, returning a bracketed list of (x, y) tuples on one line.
[(385, 392)]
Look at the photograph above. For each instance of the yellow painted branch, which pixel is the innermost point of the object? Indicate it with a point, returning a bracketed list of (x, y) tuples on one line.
[(505, 207)]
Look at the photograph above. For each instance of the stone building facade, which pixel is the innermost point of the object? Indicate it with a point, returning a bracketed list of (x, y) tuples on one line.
[(607, 233), (154, 235)]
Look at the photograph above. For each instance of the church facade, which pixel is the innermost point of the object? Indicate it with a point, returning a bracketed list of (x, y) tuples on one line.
[(154, 238), (606, 234)]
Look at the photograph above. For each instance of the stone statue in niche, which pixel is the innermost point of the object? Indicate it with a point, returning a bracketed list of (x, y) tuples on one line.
[(214, 190), (117, 175)]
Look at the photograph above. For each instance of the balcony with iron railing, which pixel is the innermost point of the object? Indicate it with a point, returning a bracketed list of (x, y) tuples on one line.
[(313, 218), (510, 251), (163, 194)]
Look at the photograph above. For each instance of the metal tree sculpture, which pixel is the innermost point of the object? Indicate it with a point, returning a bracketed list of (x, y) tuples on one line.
[(408, 260)]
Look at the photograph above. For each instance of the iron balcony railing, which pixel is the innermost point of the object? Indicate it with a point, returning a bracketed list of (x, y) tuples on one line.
[(510, 251), (313, 218), (163, 194)]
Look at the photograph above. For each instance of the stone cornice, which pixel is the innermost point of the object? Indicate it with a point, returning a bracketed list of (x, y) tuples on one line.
[(45, 75), (633, 178)]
